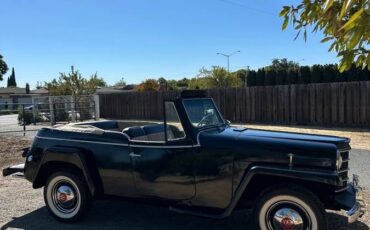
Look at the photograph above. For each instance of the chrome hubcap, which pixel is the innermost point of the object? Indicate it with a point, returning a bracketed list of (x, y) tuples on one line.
[(287, 219), (64, 197)]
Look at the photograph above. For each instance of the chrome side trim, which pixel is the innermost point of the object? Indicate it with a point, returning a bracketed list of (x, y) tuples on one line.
[(343, 170), (118, 144), (83, 141), (341, 189)]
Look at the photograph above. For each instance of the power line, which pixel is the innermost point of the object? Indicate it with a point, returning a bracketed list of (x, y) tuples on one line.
[(247, 7)]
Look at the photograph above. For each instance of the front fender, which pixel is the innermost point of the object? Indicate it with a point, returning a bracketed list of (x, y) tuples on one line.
[(64, 156), (328, 177)]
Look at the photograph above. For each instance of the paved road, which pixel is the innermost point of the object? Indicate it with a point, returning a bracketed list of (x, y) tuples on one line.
[(360, 164), (9, 126)]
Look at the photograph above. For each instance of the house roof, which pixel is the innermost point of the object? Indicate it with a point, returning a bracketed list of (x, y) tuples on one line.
[(40, 91), (103, 90), (13, 90)]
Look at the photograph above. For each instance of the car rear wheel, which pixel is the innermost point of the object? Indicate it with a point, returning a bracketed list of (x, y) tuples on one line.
[(288, 209), (67, 196)]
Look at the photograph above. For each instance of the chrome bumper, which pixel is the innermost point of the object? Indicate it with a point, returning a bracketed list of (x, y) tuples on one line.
[(359, 208), (13, 169)]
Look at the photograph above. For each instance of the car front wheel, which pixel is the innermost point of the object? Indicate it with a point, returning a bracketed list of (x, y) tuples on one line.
[(67, 196), (288, 209)]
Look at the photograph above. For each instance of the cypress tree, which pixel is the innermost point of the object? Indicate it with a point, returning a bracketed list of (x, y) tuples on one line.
[(281, 76), (304, 75), (260, 77), (270, 76), (27, 88), (292, 76), (11, 80), (316, 74), (251, 78)]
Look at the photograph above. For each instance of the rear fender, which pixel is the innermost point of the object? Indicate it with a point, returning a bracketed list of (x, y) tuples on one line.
[(66, 156)]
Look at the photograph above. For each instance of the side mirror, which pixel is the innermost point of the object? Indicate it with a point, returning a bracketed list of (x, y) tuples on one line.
[(228, 122)]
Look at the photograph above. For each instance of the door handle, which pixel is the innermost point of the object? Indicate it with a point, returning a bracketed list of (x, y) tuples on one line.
[(134, 155)]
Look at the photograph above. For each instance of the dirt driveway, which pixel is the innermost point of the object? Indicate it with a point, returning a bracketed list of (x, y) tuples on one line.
[(22, 207)]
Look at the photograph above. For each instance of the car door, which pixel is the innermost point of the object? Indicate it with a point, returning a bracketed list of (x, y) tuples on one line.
[(163, 166)]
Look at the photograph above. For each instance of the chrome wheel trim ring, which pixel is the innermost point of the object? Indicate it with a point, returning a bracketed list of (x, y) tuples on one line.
[(287, 215), (63, 197), (283, 199)]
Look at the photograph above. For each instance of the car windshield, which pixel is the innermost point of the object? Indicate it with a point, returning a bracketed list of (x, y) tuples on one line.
[(202, 112)]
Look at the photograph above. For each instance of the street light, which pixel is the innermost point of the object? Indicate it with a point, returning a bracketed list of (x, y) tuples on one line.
[(228, 57)]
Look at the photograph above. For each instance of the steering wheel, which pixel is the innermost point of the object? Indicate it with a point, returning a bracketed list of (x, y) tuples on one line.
[(204, 119)]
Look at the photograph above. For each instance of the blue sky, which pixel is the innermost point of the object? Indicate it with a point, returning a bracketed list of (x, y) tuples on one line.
[(146, 38)]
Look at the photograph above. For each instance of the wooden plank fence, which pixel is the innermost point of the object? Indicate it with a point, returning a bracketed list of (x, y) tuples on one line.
[(328, 104)]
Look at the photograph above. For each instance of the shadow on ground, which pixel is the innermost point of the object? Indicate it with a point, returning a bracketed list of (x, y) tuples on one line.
[(123, 215)]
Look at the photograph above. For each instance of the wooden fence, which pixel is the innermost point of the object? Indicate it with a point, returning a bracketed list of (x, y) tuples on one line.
[(328, 104)]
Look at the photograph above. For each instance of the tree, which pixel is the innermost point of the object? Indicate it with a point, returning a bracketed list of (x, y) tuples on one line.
[(74, 84), (27, 88), (292, 76), (343, 22), (219, 77), (316, 74), (304, 75), (3, 67), (283, 64), (148, 85), (120, 83), (260, 78), (281, 75), (270, 77), (11, 80), (251, 78)]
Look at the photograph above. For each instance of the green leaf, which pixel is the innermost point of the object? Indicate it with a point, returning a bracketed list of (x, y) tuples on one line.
[(295, 38), (351, 21), (284, 11), (326, 39), (343, 10), (285, 23), (328, 4), (355, 39), (332, 46)]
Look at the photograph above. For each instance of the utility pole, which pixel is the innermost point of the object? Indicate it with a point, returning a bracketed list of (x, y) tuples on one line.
[(228, 58)]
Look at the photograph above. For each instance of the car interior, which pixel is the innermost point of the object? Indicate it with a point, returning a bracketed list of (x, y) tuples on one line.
[(147, 132)]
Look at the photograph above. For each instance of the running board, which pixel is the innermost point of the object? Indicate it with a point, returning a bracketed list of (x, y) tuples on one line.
[(198, 213)]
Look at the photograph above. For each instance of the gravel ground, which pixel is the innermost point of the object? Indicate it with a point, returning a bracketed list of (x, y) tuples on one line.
[(22, 207)]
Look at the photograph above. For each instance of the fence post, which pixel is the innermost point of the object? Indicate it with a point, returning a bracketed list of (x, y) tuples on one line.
[(73, 108), (24, 121), (34, 112), (97, 106), (52, 118)]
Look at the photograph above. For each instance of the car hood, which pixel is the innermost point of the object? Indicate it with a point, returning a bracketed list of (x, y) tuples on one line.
[(259, 141)]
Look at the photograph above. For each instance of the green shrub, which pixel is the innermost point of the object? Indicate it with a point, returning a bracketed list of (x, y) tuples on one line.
[(27, 118)]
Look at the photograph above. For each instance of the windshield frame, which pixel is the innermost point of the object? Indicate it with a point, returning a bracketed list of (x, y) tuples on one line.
[(216, 109)]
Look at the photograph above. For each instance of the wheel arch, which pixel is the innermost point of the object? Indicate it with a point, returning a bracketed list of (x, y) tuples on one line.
[(67, 158), (260, 177)]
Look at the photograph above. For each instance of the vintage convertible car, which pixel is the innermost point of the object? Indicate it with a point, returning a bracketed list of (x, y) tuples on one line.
[(195, 162)]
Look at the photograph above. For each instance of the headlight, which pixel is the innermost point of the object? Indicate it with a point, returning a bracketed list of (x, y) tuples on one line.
[(339, 160)]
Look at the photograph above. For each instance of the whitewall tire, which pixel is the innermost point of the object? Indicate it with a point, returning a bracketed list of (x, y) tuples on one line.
[(285, 209), (66, 196)]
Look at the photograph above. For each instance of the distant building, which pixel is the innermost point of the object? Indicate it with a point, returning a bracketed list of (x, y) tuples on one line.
[(41, 92)]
